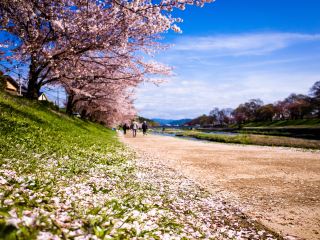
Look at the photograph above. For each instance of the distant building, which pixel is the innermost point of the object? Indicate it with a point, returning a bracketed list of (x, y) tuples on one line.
[(11, 86), (43, 97)]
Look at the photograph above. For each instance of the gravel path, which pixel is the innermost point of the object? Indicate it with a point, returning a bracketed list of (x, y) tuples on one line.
[(197, 209), (215, 184)]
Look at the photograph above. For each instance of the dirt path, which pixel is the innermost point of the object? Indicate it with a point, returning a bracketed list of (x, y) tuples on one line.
[(278, 186)]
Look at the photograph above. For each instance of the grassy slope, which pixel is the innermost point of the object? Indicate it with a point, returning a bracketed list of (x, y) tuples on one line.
[(29, 129), (150, 122), (65, 177)]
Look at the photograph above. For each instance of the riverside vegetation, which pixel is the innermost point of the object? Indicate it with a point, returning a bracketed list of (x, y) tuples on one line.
[(64, 178), (252, 139)]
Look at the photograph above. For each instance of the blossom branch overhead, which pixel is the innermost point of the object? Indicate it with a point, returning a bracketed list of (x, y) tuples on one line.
[(99, 44)]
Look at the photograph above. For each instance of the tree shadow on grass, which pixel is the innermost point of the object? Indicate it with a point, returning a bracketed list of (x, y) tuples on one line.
[(14, 111)]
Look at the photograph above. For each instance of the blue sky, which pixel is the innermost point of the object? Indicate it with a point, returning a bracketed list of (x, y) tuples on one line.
[(231, 51)]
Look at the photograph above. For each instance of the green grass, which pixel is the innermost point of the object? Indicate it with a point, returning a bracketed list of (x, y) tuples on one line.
[(66, 177), (29, 129), (286, 123), (302, 128), (217, 137)]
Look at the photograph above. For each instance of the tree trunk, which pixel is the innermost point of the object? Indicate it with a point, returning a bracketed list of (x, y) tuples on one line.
[(69, 108), (83, 114), (33, 89), (33, 86)]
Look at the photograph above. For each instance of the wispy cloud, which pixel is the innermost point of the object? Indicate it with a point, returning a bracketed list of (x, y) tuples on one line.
[(182, 97), (207, 73), (243, 44)]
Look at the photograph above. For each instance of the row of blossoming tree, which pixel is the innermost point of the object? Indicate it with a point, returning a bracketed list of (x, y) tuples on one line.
[(98, 50), (295, 106)]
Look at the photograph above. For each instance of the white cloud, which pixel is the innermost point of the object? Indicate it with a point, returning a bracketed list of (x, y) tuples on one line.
[(208, 75), (182, 98), (243, 44), (4, 45)]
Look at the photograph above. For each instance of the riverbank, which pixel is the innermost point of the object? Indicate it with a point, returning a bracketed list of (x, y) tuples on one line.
[(247, 139), (299, 123)]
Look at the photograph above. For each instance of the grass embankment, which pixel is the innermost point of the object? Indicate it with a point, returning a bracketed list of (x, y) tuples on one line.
[(299, 123), (302, 128), (251, 139), (64, 178)]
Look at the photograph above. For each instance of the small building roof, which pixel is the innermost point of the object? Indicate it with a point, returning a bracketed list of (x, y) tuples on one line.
[(13, 82), (43, 97)]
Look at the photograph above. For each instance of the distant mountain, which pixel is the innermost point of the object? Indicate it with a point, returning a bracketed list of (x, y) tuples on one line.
[(150, 122), (180, 121), (202, 120), (161, 121), (171, 121)]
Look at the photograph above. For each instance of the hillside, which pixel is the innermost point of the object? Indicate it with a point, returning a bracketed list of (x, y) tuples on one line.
[(62, 177), (150, 122), (48, 163), (201, 120)]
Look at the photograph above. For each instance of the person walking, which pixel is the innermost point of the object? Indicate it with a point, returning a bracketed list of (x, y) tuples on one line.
[(134, 127), (144, 127), (125, 127)]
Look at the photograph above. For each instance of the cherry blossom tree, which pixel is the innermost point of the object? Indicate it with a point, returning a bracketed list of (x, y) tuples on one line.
[(86, 44), (106, 83)]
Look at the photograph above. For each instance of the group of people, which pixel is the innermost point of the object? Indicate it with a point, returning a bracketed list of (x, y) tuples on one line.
[(134, 127)]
